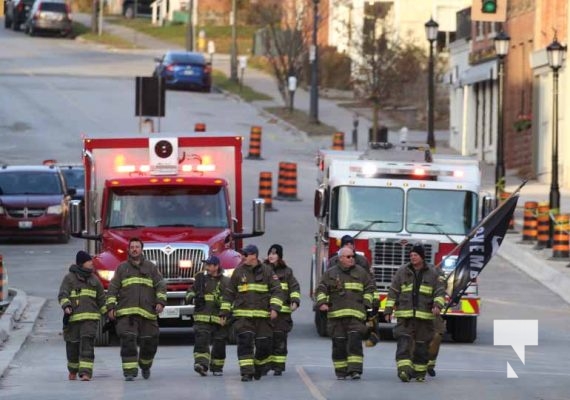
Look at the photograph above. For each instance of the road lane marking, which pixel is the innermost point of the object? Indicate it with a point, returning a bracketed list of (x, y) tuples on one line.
[(309, 383)]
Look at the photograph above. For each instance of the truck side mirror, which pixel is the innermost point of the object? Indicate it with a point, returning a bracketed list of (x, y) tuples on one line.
[(488, 204), (258, 217), (76, 217), (319, 205)]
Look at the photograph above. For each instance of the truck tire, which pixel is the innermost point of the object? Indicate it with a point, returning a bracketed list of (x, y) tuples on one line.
[(462, 329), (321, 323), (102, 338)]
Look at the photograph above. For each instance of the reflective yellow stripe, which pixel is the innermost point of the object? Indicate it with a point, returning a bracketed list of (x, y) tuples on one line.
[(295, 295), (404, 363), (356, 286), (346, 312), (63, 301), (355, 359), (285, 286), (388, 303), (439, 300), (276, 301), (209, 297), (161, 296), (406, 288), (135, 280), (135, 311), (73, 365), (279, 359), (368, 296), (340, 364), (225, 306), (254, 287), (85, 364), (251, 313), (285, 310), (427, 290), (245, 362), (207, 318), (85, 316), (321, 297), (145, 362), (111, 300), (420, 367), (264, 361), (130, 365), (218, 363), (202, 355), (466, 307)]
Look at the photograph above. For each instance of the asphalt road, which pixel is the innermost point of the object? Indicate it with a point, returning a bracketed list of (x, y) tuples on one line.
[(52, 91)]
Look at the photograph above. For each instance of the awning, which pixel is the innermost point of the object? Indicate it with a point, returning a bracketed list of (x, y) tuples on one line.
[(480, 72)]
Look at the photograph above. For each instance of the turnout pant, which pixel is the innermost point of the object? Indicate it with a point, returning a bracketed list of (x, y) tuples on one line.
[(254, 343), (79, 346), (346, 334), (206, 335), (135, 331), (282, 325), (413, 336), (433, 349)]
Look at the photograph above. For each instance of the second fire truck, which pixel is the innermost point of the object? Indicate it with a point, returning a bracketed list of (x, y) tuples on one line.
[(389, 199)]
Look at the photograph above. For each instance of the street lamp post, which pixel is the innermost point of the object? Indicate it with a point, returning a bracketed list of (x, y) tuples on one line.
[(431, 34), (501, 49), (314, 58), (233, 56), (556, 55)]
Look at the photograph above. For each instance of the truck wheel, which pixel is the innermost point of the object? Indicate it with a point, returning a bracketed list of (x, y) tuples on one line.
[(102, 338), (462, 329), (321, 323)]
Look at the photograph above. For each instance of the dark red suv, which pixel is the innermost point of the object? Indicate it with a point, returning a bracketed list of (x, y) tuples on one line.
[(34, 201)]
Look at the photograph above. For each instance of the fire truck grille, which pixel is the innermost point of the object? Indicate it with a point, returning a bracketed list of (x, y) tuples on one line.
[(388, 256), (169, 263)]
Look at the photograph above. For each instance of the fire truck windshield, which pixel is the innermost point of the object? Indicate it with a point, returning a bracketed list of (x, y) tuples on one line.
[(452, 212), (354, 207), (201, 207)]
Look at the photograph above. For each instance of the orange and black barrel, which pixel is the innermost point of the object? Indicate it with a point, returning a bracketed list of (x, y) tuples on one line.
[(287, 182), (529, 221), (255, 143), (199, 127), (338, 141), (542, 225), (561, 236), (265, 189)]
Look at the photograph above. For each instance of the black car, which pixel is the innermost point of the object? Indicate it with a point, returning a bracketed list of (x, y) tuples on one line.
[(16, 13)]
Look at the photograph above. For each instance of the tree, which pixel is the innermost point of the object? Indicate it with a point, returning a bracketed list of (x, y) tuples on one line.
[(384, 66)]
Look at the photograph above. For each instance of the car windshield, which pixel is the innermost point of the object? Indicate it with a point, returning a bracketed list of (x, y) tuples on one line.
[(29, 182), (74, 177), (453, 212), (367, 208), (167, 206)]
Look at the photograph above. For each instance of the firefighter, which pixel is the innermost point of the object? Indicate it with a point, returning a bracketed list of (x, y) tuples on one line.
[(348, 241), (419, 295), (82, 298), (283, 324), (255, 297), (205, 294), (136, 295), (439, 330), (345, 293)]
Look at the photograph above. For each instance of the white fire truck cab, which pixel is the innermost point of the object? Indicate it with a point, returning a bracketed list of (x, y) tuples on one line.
[(387, 199)]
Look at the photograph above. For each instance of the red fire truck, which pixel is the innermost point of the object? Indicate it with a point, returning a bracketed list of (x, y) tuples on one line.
[(181, 196), (389, 199)]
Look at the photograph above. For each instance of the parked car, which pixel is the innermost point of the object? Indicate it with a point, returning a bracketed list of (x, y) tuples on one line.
[(34, 201), (16, 13), (49, 16), (184, 70)]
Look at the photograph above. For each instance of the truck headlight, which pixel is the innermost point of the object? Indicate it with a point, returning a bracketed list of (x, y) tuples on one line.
[(106, 274), (55, 209)]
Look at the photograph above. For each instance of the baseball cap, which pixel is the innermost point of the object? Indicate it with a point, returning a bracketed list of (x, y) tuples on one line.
[(250, 249), (212, 260)]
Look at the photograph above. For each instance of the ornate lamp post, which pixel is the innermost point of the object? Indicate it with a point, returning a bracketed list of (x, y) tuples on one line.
[(556, 55), (431, 35), (314, 59), (501, 49)]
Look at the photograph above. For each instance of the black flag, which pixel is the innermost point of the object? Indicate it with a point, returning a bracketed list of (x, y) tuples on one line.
[(480, 246)]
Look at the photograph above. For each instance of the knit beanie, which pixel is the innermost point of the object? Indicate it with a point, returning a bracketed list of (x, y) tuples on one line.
[(346, 239), (277, 248), (82, 257), (419, 249)]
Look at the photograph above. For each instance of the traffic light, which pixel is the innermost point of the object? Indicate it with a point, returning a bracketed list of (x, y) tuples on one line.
[(489, 7)]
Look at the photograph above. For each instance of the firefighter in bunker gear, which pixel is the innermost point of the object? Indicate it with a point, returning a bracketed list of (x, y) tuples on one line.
[(417, 295), (205, 294), (136, 295), (82, 298), (283, 324), (346, 292), (255, 297), (439, 330)]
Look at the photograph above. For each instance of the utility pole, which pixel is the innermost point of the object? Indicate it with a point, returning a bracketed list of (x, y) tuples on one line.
[(233, 60), (190, 27)]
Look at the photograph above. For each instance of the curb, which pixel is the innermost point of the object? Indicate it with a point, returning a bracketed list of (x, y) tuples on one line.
[(16, 324), (534, 264)]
